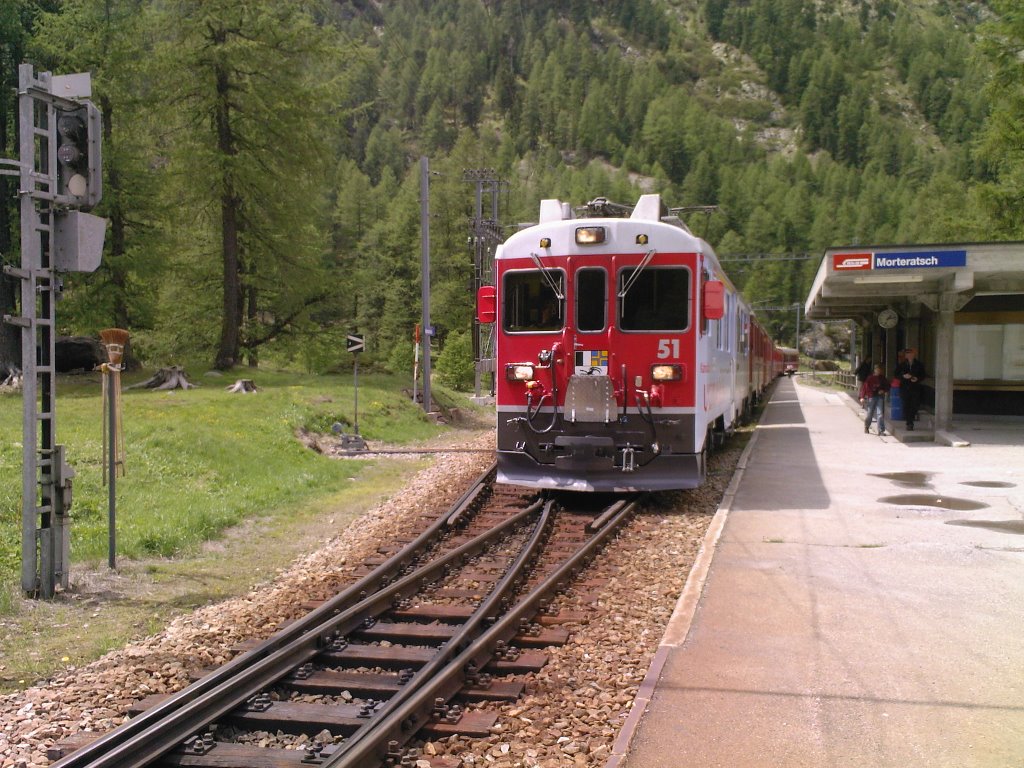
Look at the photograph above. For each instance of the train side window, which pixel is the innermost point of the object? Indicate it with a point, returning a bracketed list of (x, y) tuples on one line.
[(725, 328), (658, 300), (591, 299), (529, 303)]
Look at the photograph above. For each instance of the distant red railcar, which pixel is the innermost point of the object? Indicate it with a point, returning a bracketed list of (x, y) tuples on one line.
[(789, 360), (623, 350)]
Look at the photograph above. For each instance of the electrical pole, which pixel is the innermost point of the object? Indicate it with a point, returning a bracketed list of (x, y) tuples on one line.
[(428, 330)]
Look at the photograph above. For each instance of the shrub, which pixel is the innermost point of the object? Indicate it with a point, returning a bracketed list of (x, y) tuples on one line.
[(455, 363)]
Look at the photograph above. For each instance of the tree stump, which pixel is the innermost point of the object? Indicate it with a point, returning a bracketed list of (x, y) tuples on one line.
[(243, 385), (11, 380), (166, 378)]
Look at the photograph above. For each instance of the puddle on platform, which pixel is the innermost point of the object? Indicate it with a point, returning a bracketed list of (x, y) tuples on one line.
[(926, 500), (989, 484), (907, 479), (1001, 526)]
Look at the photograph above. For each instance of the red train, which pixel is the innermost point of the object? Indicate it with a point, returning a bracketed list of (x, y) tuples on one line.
[(623, 351)]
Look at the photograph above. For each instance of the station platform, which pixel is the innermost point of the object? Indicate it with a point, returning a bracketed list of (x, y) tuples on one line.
[(857, 602)]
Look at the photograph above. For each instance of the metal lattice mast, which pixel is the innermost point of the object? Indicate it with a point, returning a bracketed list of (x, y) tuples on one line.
[(485, 235), (59, 174), (44, 517)]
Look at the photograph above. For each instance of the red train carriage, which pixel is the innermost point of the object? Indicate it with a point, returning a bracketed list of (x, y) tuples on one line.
[(789, 360), (622, 349)]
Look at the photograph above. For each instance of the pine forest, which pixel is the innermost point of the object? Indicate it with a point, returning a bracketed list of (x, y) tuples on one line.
[(261, 158)]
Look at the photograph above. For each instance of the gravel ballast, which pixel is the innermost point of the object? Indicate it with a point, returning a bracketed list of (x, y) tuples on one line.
[(573, 709)]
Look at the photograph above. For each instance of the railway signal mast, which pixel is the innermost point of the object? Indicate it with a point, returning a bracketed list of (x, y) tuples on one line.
[(60, 175), (485, 235)]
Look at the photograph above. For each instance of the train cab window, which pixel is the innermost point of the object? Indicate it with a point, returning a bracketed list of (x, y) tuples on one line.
[(657, 300), (591, 299), (530, 304)]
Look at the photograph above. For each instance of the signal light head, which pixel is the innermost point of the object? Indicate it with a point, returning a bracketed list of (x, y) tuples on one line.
[(78, 132)]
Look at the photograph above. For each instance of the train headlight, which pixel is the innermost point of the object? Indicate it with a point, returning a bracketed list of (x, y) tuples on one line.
[(519, 372), (667, 372), (590, 235)]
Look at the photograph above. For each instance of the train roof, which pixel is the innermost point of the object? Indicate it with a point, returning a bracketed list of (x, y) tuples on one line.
[(558, 220)]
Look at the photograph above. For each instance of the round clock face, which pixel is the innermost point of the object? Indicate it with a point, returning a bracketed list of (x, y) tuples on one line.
[(888, 318)]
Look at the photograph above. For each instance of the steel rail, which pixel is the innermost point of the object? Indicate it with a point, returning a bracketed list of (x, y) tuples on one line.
[(467, 633), (186, 721), (400, 725), (120, 746)]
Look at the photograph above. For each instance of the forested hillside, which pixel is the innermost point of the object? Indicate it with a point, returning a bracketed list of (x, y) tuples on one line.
[(261, 158)]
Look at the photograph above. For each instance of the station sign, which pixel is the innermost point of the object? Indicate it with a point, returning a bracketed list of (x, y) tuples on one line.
[(851, 262)]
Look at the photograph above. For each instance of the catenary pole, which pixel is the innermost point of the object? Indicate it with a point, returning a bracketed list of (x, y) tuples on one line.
[(428, 331)]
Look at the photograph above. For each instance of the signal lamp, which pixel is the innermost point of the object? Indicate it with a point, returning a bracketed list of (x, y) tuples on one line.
[(666, 372), (590, 235), (641, 239), (79, 175), (516, 372), (545, 242)]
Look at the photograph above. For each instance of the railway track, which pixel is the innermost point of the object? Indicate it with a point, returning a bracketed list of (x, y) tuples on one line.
[(401, 652)]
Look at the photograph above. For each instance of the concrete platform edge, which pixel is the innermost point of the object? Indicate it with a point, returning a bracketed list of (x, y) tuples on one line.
[(679, 623)]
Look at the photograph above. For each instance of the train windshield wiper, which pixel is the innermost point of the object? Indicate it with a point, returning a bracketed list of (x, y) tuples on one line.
[(636, 273), (547, 277)]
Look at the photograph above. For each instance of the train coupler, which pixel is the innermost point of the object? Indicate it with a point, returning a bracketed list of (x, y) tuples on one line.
[(628, 460)]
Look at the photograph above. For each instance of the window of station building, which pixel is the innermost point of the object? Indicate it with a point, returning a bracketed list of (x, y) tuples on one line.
[(990, 352), (591, 300), (658, 300), (529, 304)]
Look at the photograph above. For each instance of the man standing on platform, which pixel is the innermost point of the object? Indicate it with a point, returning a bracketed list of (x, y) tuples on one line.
[(873, 392), (910, 373)]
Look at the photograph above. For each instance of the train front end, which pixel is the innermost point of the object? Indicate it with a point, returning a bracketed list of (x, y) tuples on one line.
[(598, 330)]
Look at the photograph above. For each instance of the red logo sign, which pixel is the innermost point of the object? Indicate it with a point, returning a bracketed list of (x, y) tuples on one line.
[(844, 262)]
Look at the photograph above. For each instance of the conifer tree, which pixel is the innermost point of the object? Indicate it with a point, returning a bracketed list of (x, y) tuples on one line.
[(248, 88)]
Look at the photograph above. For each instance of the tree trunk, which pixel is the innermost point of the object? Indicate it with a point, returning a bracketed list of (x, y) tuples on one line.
[(231, 322), (252, 313), (118, 241)]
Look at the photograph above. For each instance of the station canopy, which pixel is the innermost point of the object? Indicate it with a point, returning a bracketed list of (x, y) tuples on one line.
[(860, 282)]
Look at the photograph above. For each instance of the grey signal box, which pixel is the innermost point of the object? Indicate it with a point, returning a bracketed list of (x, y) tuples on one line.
[(78, 241)]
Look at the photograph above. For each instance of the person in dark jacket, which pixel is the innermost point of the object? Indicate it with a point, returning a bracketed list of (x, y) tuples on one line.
[(873, 391), (911, 374)]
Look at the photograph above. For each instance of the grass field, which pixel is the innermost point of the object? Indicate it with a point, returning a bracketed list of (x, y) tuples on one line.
[(198, 461)]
